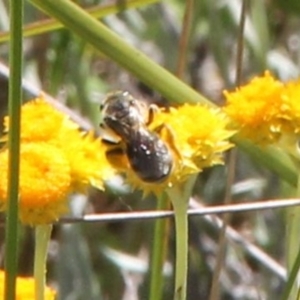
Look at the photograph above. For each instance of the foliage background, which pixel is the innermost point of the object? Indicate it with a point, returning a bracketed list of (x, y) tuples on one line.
[(109, 260)]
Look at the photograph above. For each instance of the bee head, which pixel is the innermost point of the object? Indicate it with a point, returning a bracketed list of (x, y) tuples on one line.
[(121, 107)]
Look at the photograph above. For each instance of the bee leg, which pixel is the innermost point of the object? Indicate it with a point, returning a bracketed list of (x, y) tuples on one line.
[(169, 134), (117, 158), (169, 137), (109, 142), (115, 151), (152, 110)]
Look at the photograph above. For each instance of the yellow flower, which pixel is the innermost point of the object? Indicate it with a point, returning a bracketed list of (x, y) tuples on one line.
[(254, 108), (88, 161), (42, 122), (196, 137), (44, 182), (200, 134), (267, 112), (56, 160), (25, 288), (289, 113)]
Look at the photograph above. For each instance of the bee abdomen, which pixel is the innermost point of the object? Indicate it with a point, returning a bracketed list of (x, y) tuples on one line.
[(151, 159)]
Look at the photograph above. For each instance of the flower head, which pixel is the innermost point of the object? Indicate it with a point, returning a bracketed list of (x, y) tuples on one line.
[(289, 113), (267, 111), (56, 159), (196, 137), (42, 122), (254, 108), (44, 182), (200, 134), (88, 162), (26, 288)]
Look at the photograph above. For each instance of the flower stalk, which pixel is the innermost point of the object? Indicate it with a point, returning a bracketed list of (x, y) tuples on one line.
[(181, 226), (293, 251), (42, 236), (179, 196), (159, 250)]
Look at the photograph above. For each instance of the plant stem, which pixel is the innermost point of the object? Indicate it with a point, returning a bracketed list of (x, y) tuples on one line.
[(184, 38), (159, 250), (110, 44), (14, 107), (179, 196), (50, 25), (42, 236), (293, 250), (181, 226)]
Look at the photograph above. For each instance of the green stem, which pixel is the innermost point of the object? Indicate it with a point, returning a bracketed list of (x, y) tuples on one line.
[(159, 250), (15, 99), (293, 250), (185, 38), (49, 25), (181, 225), (292, 277), (42, 236), (271, 157), (109, 43), (179, 196)]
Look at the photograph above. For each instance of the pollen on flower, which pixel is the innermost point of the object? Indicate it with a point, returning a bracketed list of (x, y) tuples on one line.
[(25, 288), (196, 136)]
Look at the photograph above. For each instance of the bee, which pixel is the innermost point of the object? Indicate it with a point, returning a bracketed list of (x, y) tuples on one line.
[(127, 119)]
